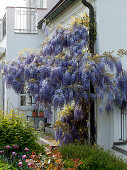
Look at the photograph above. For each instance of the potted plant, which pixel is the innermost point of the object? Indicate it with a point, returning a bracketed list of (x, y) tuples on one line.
[(41, 113), (34, 113)]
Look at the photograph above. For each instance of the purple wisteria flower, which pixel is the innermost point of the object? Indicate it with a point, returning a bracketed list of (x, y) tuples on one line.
[(78, 114)]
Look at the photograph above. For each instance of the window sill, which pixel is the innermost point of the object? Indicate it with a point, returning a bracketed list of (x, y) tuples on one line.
[(26, 107), (23, 32), (120, 147)]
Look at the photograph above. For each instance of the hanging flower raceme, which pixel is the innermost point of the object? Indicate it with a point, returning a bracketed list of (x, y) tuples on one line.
[(44, 91), (59, 99), (56, 76), (78, 114), (44, 72), (29, 59), (14, 77)]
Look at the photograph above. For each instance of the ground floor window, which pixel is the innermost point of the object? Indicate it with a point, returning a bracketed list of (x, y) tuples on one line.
[(123, 124)]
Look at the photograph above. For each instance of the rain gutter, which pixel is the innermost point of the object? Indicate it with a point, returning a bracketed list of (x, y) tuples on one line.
[(91, 25), (91, 49)]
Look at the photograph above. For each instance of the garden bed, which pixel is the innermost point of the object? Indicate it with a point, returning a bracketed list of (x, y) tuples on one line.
[(92, 157)]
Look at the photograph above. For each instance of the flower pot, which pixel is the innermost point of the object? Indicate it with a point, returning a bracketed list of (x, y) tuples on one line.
[(34, 114), (41, 114)]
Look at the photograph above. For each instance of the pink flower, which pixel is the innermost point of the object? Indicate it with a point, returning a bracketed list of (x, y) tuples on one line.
[(30, 164), (13, 154), (1, 152), (27, 160), (15, 147), (7, 147), (24, 157), (26, 149), (20, 164)]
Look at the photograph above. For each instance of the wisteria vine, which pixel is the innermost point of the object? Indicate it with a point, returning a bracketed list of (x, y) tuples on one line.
[(63, 71)]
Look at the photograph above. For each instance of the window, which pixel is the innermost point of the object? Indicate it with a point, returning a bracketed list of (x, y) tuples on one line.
[(25, 100), (43, 3), (123, 124), (40, 4), (3, 27), (1, 30), (36, 3), (25, 20)]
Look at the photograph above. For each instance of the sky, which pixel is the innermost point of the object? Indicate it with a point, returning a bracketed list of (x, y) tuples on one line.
[(4, 3)]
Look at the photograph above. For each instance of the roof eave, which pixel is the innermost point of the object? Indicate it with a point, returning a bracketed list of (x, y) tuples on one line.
[(57, 9)]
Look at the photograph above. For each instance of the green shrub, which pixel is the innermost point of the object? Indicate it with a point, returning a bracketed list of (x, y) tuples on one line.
[(14, 129), (92, 157), (5, 166)]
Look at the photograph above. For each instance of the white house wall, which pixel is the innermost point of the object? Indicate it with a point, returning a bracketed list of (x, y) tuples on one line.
[(3, 42), (2, 59), (50, 4), (19, 41), (1, 92), (111, 35), (105, 127), (111, 26)]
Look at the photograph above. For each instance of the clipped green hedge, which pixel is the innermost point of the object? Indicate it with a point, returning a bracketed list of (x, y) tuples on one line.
[(92, 158)]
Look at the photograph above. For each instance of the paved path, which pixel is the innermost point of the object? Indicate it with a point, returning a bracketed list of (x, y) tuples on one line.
[(46, 142)]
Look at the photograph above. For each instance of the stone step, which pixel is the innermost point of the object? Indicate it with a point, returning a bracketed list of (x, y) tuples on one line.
[(45, 142)]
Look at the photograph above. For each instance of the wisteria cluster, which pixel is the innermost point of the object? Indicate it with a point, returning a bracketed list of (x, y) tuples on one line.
[(75, 39), (63, 71), (14, 75)]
